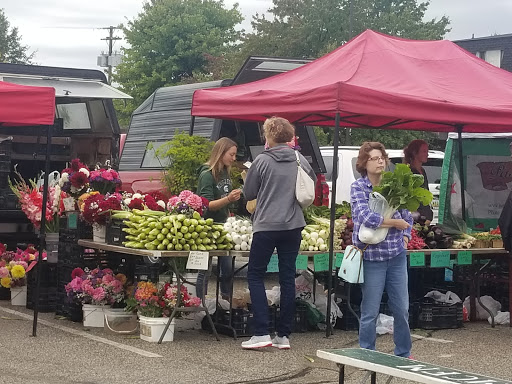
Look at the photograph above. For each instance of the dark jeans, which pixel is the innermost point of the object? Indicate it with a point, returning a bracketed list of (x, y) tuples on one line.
[(287, 244)]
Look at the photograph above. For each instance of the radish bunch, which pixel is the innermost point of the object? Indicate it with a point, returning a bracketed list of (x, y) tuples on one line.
[(416, 241), (239, 233)]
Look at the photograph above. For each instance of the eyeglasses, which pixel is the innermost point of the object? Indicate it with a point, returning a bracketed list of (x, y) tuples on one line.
[(377, 158)]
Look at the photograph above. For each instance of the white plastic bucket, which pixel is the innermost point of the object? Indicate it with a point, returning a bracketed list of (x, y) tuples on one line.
[(19, 296), (93, 315), (118, 321), (98, 233), (151, 328)]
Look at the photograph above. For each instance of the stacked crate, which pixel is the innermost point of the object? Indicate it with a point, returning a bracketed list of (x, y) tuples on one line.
[(47, 287), (8, 199)]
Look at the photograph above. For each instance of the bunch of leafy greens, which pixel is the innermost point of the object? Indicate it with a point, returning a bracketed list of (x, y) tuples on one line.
[(402, 189)]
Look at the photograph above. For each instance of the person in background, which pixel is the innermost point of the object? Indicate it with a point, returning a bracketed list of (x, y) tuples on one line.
[(277, 224), (385, 263), (215, 185), (415, 155)]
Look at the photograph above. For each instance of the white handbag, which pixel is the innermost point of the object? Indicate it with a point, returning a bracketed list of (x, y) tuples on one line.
[(304, 186), (351, 269)]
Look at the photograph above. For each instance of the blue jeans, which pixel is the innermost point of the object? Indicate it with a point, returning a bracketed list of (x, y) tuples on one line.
[(226, 270), (392, 276), (287, 244)]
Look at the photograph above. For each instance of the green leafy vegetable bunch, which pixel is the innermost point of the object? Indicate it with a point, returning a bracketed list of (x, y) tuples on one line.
[(402, 189)]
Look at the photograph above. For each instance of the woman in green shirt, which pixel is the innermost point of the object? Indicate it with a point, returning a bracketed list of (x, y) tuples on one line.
[(215, 185)]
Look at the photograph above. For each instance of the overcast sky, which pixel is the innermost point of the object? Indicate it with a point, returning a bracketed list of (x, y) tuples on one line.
[(66, 34)]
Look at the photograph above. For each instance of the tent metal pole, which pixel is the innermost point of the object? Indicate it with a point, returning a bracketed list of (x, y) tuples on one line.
[(461, 171), (191, 129), (328, 331), (42, 232)]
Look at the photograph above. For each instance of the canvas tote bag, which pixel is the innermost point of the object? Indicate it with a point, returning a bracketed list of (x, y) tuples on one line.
[(304, 186), (351, 269)]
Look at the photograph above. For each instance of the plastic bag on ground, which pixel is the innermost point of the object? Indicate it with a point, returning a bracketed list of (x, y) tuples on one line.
[(449, 297), (385, 324), (274, 296), (240, 298), (481, 314), (501, 318)]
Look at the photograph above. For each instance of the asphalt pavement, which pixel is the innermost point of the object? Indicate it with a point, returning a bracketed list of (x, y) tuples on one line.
[(66, 352)]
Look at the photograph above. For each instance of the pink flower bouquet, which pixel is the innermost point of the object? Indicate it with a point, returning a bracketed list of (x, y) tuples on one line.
[(104, 180), (96, 287), (187, 203)]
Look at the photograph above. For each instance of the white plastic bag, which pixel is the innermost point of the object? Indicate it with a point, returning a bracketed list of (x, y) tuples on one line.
[(53, 179), (449, 297), (481, 314), (377, 204), (385, 324), (274, 296), (501, 318)]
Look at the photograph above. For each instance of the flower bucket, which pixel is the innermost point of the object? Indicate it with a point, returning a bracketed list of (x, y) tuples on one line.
[(120, 322), (151, 328), (98, 233), (52, 247), (19, 296), (94, 315)]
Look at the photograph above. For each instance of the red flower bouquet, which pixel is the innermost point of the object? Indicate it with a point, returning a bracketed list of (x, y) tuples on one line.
[(96, 207), (75, 179), (104, 180)]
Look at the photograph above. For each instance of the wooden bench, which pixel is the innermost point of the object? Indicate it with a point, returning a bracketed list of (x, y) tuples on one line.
[(395, 366)]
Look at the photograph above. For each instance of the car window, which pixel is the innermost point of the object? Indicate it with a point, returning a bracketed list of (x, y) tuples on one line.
[(433, 168), (328, 167), (150, 159)]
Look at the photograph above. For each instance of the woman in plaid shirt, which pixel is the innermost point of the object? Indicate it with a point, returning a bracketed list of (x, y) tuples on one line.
[(385, 263)]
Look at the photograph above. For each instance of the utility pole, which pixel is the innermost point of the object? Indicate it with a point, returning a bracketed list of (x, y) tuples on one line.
[(110, 38)]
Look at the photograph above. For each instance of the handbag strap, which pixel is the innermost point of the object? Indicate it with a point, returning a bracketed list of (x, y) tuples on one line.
[(298, 158)]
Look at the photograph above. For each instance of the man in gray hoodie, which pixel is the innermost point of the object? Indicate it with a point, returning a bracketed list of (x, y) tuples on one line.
[(277, 224)]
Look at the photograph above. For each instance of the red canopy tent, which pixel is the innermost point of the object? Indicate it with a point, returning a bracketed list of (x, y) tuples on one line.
[(25, 105), (32, 106), (377, 81)]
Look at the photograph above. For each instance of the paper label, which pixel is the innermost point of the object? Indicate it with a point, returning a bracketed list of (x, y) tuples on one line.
[(198, 260)]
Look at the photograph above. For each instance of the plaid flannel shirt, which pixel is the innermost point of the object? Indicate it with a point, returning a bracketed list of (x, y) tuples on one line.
[(393, 244)]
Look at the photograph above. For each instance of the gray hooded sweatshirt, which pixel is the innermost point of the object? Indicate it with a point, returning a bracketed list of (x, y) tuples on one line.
[(271, 180)]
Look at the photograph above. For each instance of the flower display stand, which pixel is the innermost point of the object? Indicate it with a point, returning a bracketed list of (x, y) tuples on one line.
[(151, 328), (94, 316), (19, 296), (52, 247), (98, 233)]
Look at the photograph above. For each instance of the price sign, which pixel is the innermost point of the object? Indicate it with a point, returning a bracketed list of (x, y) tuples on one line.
[(440, 259), (417, 259), (339, 259), (321, 262), (273, 264), (72, 220), (465, 258), (302, 262), (198, 260)]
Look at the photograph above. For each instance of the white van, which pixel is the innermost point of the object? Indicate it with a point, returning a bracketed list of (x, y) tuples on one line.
[(347, 173)]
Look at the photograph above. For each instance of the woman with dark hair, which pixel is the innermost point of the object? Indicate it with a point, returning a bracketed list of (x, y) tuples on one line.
[(277, 224), (215, 185), (415, 155), (385, 263)]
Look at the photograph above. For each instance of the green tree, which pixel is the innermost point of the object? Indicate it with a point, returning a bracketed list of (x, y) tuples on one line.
[(309, 28), (172, 41), (11, 49), (185, 155)]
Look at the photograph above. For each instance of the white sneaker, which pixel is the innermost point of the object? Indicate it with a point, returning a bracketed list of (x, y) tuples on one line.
[(281, 342), (257, 342)]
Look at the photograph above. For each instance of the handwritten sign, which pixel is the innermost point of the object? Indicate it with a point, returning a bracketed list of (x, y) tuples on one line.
[(417, 259), (465, 258), (440, 259), (198, 260), (301, 263), (339, 259), (273, 264), (321, 262)]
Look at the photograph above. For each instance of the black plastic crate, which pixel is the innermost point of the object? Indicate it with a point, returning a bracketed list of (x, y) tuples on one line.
[(4, 182), (5, 166), (85, 258), (435, 315), (83, 230), (5, 150), (5, 293), (47, 298), (114, 234), (147, 272), (300, 323), (8, 199)]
